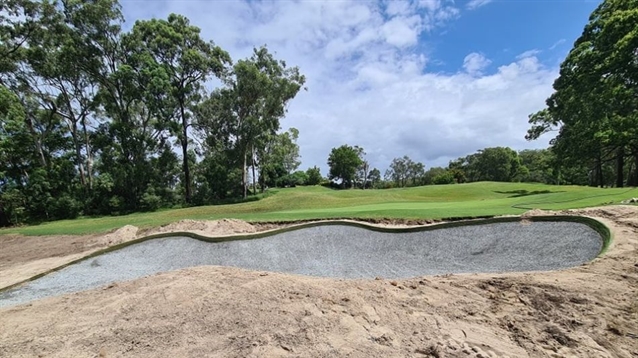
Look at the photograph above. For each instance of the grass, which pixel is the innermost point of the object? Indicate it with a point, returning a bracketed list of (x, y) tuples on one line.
[(302, 203)]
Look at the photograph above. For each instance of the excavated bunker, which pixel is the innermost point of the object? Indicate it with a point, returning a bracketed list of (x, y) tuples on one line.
[(339, 251)]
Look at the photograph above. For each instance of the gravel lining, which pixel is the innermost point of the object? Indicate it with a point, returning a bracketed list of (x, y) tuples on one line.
[(340, 252)]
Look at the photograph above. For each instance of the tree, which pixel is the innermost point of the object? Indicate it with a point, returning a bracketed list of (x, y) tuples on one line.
[(404, 172), (173, 62), (314, 176), (488, 164), (249, 108), (279, 157), (497, 164), (541, 166), (362, 174), (399, 171), (374, 177), (344, 162), (415, 173), (433, 175), (21, 21), (596, 95)]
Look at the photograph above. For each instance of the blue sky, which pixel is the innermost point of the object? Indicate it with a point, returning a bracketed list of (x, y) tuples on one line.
[(501, 30), (432, 79)]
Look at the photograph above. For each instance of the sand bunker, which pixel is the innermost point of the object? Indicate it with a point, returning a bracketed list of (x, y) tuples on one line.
[(338, 251)]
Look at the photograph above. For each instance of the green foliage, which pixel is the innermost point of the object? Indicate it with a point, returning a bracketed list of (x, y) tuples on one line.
[(90, 114), (344, 162), (374, 177), (173, 62), (294, 179), (279, 158), (314, 176), (248, 110), (405, 172), (594, 104), (432, 173), (150, 201), (489, 164), (445, 177)]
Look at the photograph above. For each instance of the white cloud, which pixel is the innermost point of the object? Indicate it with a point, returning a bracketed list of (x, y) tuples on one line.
[(475, 63), (431, 5), (438, 12), (398, 7), (557, 43), (529, 53), (368, 84), (402, 31), (475, 4)]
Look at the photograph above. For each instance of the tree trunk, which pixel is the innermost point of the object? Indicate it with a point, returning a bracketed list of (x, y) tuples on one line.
[(365, 175), (599, 173), (244, 175), (38, 143), (187, 174), (254, 177), (634, 180), (620, 167), (78, 153), (89, 155)]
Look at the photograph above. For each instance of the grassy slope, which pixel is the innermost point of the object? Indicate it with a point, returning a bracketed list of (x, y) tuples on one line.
[(432, 202)]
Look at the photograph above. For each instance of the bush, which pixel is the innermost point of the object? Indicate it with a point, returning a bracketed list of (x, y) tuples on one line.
[(65, 207), (292, 180), (150, 201), (116, 205), (443, 178), (314, 176)]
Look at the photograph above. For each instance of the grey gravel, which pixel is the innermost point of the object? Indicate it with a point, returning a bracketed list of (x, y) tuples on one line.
[(340, 252)]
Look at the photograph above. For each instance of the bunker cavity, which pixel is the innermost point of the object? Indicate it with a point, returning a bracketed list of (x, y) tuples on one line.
[(338, 251)]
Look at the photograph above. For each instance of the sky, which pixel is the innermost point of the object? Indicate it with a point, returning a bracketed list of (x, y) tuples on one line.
[(431, 79)]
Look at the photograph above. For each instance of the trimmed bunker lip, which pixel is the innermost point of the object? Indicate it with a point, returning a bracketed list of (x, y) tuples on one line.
[(602, 232)]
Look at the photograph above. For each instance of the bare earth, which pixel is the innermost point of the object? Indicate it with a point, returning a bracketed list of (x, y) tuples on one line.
[(588, 311)]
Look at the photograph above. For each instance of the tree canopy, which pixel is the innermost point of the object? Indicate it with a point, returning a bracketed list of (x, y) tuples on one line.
[(344, 161), (594, 108)]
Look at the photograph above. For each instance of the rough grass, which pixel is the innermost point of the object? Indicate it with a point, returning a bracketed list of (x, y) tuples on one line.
[(302, 203)]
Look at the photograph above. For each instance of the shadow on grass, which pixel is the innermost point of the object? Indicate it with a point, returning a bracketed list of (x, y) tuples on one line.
[(522, 192)]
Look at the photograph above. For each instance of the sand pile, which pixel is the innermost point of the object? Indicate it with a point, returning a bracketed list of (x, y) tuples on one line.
[(221, 227)]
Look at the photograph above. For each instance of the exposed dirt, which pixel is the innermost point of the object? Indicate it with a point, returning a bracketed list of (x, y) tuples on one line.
[(206, 227), (588, 311)]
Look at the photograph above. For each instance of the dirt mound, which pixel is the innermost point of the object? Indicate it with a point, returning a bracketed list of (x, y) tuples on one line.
[(123, 234), (538, 212), (615, 212), (221, 227)]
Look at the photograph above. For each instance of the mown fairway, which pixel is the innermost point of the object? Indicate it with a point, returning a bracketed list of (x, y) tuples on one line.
[(428, 202)]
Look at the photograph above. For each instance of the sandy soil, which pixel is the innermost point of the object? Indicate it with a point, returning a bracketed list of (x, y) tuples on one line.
[(588, 311)]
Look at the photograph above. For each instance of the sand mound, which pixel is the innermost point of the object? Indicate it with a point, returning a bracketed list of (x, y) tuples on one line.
[(123, 234), (610, 212), (207, 227), (537, 212)]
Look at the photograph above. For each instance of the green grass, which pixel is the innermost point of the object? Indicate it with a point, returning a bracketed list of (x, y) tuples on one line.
[(429, 202)]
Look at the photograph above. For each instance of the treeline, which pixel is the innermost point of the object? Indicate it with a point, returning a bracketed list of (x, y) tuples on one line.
[(95, 120), (349, 169)]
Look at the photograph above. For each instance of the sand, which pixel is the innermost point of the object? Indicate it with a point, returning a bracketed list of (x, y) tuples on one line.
[(587, 311)]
